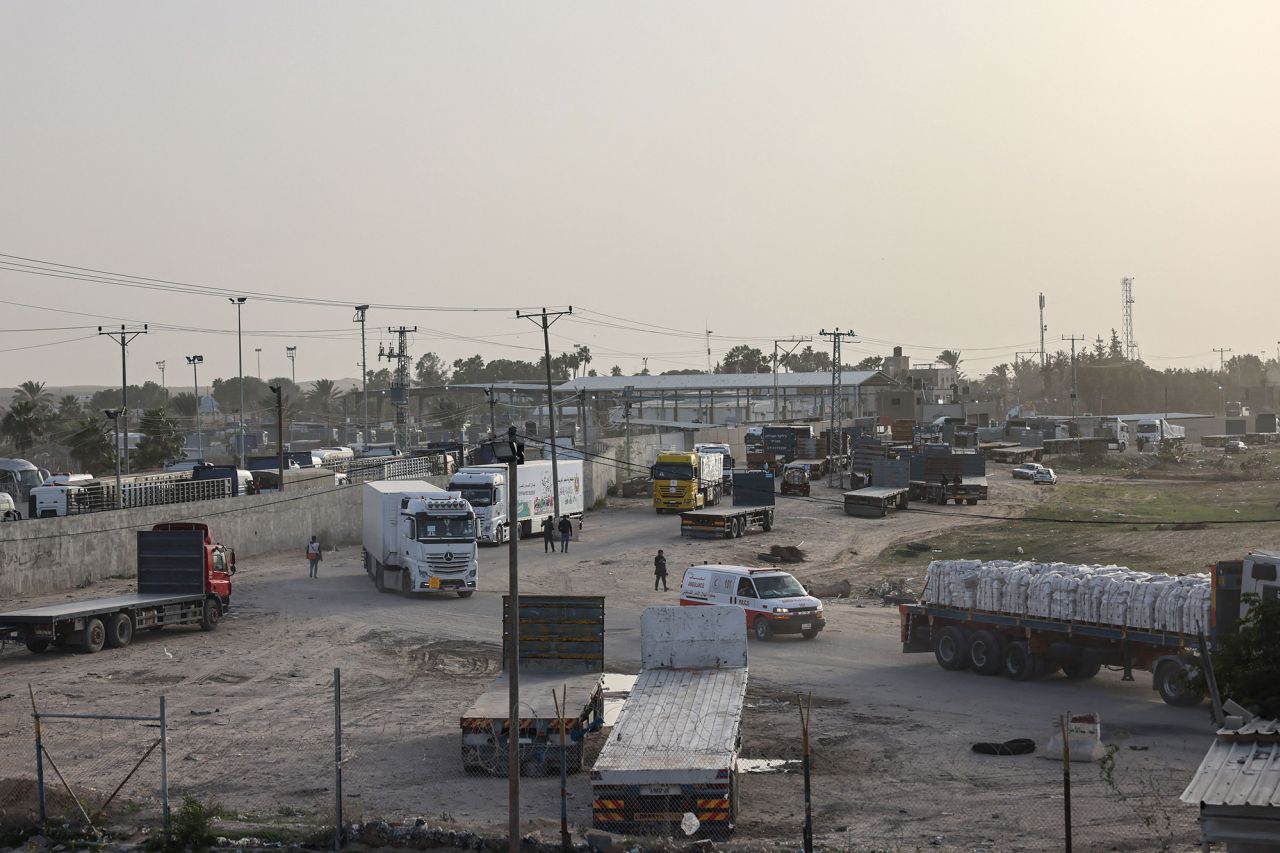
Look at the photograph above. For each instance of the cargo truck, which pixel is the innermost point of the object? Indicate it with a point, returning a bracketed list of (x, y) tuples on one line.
[(184, 578), (1107, 617), (485, 488), (674, 748), (684, 480), (418, 538), (726, 464), (561, 649), (1152, 431)]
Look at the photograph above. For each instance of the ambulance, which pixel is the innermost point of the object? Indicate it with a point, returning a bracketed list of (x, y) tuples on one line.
[(774, 601)]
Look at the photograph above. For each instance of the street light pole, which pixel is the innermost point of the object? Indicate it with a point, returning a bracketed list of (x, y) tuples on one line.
[(163, 387), (292, 352), (258, 350), (195, 361), (239, 301)]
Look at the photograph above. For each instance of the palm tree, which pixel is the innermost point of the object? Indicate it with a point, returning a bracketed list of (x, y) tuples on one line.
[(90, 446), (183, 405), (322, 398), (24, 423), (69, 408), (951, 358), (34, 391), (583, 353)]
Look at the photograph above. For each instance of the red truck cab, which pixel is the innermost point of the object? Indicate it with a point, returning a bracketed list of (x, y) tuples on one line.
[(219, 560)]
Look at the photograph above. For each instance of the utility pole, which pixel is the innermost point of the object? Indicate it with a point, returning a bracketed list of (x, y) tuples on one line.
[(776, 362), (361, 310), (1073, 339), (1222, 369), (627, 393), (258, 350), (709, 333), (836, 337), (239, 301), (114, 416), (123, 337), (493, 423), (163, 387), (545, 319), (400, 386), (292, 353), (278, 391), (195, 361), (1043, 329)]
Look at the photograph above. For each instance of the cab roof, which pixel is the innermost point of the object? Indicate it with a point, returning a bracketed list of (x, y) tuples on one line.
[(744, 571)]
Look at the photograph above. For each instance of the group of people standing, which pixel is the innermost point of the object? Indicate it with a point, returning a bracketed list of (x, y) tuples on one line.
[(549, 528)]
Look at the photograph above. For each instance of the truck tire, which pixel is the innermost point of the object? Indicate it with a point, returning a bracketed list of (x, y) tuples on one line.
[(972, 501), (1171, 682), (986, 653), (37, 646), (212, 615), (762, 629), (1079, 668), (810, 634), (119, 631), (465, 593), (406, 583), (379, 579), (951, 649), (95, 636), (500, 534), (1019, 663), (739, 526), (768, 521)]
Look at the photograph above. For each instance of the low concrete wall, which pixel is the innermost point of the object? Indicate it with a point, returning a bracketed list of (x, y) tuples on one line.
[(54, 554)]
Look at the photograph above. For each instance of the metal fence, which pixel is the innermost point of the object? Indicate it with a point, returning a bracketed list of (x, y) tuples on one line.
[(371, 751)]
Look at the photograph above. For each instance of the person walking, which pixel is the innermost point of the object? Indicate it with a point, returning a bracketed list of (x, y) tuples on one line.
[(659, 571), (566, 530), (314, 556), (548, 536)]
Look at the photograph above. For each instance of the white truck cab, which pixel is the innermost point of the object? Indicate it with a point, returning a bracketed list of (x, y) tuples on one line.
[(65, 494), (419, 538)]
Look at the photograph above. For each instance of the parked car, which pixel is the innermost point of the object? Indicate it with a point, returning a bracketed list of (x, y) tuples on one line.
[(1027, 470), (1044, 476), (1236, 446)]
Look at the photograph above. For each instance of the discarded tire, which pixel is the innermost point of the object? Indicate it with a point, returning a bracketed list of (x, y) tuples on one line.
[(1017, 746)]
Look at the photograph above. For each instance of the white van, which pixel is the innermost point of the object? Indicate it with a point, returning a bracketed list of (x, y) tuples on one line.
[(774, 601), (8, 511)]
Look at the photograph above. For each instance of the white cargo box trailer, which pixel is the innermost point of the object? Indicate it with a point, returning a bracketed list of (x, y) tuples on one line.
[(484, 487), (674, 749), (383, 500)]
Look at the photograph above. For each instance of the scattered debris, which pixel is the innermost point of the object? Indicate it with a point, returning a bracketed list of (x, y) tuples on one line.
[(787, 553)]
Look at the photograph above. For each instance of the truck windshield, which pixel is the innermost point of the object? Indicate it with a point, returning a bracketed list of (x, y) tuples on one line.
[(1147, 428), (673, 471), (477, 495), (431, 528), (778, 586)]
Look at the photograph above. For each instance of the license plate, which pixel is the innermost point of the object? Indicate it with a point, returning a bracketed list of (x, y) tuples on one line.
[(806, 626), (434, 583), (659, 790)]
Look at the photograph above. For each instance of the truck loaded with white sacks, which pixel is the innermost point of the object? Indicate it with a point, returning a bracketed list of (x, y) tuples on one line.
[(1026, 620)]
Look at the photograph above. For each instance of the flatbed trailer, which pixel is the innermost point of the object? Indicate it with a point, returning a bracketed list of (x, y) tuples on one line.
[(674, 748), (1024, 648), (875, 501), (1013, 454), (183, 579), (561, 651), (969, 491), (725, 522)]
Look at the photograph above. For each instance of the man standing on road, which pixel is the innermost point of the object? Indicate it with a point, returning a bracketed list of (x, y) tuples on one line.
[(566, 530), (659, 571), (314, 557), (548, 536)]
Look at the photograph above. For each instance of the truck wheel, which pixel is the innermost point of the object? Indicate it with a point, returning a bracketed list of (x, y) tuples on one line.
[(37, 646), (465, 593), (1080, 669), (986, 653), (1171, 682), (768, 521), (500, 535), (212, 615), (406, 583), (379, 579), (95, 635), (1019, 663), (762, 629), (972, 501), (951, 648), (119, 631), (810, 634), (737, 528)]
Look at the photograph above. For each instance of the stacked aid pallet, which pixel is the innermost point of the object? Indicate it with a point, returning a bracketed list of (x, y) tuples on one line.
[(1101, 595)]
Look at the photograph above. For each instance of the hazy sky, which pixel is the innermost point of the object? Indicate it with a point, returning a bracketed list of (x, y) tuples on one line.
[(917, 172)]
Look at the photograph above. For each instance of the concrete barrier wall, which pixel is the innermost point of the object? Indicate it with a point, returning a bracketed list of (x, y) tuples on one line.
[(55, 554)]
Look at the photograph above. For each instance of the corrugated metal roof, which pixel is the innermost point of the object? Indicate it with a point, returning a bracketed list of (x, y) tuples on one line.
[(1240, 770), (723, 381)]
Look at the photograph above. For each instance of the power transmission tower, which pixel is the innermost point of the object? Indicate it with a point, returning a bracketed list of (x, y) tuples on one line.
[(1126, 294), (361, 310), (836, 337), (545, 319), (400, 385), (798, 340), (123, 337), (709, 334), (1073, 339)]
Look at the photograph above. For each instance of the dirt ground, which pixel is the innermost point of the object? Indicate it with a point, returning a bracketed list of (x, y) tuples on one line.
[(251, 718)]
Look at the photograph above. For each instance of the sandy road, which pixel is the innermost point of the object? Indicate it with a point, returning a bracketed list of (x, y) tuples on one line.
[(892, 733)]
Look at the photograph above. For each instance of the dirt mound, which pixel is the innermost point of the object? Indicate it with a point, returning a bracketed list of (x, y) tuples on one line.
[(787, 553)]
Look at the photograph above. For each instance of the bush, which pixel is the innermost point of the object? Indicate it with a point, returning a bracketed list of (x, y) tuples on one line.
[(1247, 664), (190, 828)]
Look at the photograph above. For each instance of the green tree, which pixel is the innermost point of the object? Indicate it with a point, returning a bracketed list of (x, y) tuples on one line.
[(743, 359), (91, 445), (23, 424), (951, 358), (615, 371), (69, 409), (322, 399), (871, 362), (35, 392), (430, 371), (183, 405), (227, 393), (161, 439), (1247, 663), (583, 355)]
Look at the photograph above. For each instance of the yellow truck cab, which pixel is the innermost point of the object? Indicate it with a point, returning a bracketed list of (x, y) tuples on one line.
[(686, 479)]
